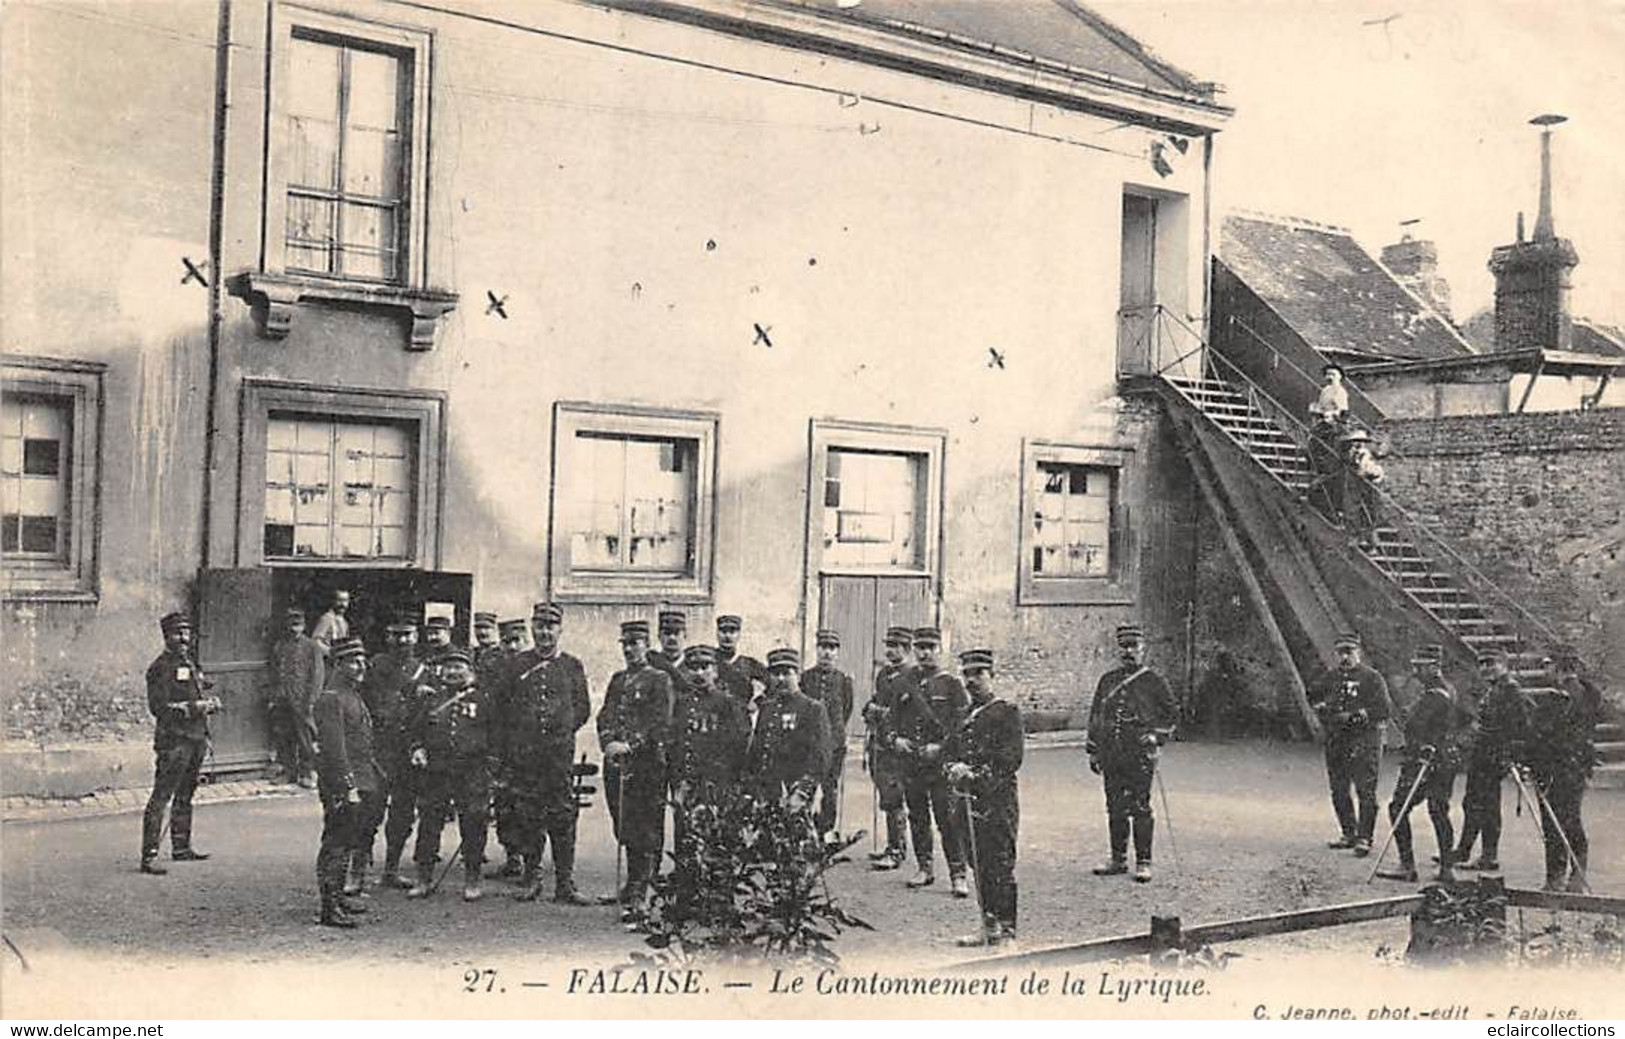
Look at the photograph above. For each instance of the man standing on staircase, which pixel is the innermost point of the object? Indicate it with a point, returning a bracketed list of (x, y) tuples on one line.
[(1328, 413), (1133, 713), (1352, 703), (1433, 730), (1560, 756), (1503, 715)]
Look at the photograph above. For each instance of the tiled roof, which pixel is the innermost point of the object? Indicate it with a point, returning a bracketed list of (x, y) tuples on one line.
[(1332, 292), (1594, 337), (1057, 33)]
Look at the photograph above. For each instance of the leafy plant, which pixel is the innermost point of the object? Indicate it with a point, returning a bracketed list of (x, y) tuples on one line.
[(749, 881)]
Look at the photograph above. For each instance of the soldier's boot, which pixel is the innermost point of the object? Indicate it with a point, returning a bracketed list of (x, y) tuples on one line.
[(530, 879), (149, 863), (896, 851), (987, 935), (355, 876), (424, 886), (1144, 829), (564, 869), (391, 876), (514, 868), (333, 914), (923, 878), (1142, 871), (959, 883), (473, 876), (1577, 879), (1405, 871), (1117, 828)]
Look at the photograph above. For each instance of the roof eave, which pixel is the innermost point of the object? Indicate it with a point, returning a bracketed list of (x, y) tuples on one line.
[(999, 70), (1513, 360)]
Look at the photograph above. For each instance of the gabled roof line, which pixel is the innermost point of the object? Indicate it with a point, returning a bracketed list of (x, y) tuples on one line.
[(1427, 308), (1300, 222)]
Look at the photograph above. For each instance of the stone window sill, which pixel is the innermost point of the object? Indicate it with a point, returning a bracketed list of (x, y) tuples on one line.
[(275, 297)]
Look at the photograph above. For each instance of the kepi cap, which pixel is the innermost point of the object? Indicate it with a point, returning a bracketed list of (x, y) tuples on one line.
[(483, 619), (783, 657), (699, 656), (897, 635), (547, 613), (438, 622), (174, 622), (346, 648), (973, 659), (453, 655), (828, 637), (1348, 639), (633, 630), (928, 636), (1129, 633), (673, 620), (729, 620)]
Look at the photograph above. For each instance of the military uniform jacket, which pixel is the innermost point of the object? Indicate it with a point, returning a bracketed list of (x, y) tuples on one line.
[(1350, 702), (881, 710), (710, 732), (737, 673), (452, 726), (833, 689), (789, 743), (298, 671), (1503, 720), (991, 742), (389, 691), (174, 678), (1562, 729), (929, 708), (1437, 720), (1129, 705), (637, 712), (345, 758), (543, 703), (490, 664)]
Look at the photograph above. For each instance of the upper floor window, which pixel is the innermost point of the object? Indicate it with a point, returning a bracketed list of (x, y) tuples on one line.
[(1076, 542), (338, 489), (874, 509), (49, 418), (348, 110), (347, 149)]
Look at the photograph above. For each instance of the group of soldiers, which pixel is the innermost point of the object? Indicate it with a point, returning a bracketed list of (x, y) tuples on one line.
[(421, 734), (1542, 739)]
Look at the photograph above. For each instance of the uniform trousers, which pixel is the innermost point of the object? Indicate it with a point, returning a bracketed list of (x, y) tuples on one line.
[(1560, 817), (925, 791), (1352, 756), (886, 771), (343, 831), (1435, 789), (994, 821), (830, 786), (175, 775), (466, 789), (294, 730), (542, 808), (636, 792), (1481, 809), (1128, 777)]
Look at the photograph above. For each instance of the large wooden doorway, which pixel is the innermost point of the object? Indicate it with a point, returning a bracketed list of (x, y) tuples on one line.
[(861, 608)]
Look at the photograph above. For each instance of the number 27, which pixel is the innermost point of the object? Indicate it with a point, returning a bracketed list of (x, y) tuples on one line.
[(472, 978)]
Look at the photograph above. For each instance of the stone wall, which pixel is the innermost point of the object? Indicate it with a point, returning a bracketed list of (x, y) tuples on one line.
[(1537, 503)]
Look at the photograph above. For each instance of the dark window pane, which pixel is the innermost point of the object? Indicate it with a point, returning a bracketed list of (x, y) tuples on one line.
[(10, 533), (42, 457), (1080, 479), (39, 533), (832, 494), (279, 539), (1038, 560)]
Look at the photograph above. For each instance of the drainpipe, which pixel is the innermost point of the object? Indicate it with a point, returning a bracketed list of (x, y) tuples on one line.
[(217, 193)]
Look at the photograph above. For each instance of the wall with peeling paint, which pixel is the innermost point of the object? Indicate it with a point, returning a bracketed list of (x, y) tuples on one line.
[(643, 197), (106, 191)]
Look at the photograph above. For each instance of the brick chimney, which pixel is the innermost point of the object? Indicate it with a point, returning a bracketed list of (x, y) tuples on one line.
[(1415, 262), (1532, 278)]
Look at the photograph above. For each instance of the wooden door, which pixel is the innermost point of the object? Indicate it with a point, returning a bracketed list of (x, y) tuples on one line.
[(1136, 314), (233, 649), (861, 608)]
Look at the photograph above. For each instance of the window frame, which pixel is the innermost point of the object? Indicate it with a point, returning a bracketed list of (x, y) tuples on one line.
[(929, 444), (704, 427), (79, 384), (424, 410), (1117, 588), (287, 21)]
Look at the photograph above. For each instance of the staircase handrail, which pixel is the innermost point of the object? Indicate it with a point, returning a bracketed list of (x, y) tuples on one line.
[(1302, 431)]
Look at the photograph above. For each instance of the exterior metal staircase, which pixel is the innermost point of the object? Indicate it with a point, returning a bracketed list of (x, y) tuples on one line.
[(1415, 560)]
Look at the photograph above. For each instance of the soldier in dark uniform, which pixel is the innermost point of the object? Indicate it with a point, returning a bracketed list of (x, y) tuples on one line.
[(389, 690), (1132, 715), (832, 688), (983, 757), (633, 729), (673, 626), (513, 636), (710, 732), (929, 710), (789, 740), (739, 674), (1560, 755), (350, 780), (491, 659), (1434, 731), (177, 696), (450, 740), (1351, 701), (298, 674), (1502, 719), (886, 766), (437, 639), (543, 705), (485, 635)]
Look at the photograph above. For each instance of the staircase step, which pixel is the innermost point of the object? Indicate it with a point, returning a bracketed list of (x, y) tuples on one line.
[(1609, 777), (1434, 579), (1610, 732), (1489, 640), (1611, 752), (1428, 594)]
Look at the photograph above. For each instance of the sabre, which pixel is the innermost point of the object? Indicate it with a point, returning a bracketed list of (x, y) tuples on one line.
[(975, 864), (874, 822), (1404, 812), (449, 863), (1544, 815), (1168, 820)]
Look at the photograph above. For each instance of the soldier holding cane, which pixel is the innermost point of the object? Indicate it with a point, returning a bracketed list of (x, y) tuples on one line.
[(1432, 755), (984, 756), (633, 728), (1132, 715)]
